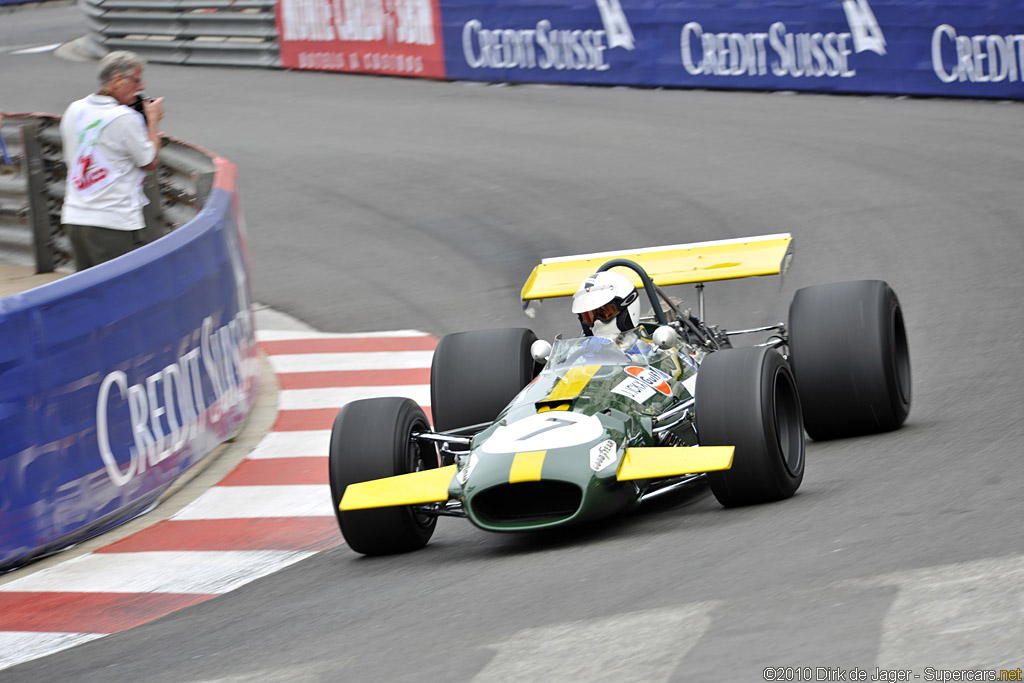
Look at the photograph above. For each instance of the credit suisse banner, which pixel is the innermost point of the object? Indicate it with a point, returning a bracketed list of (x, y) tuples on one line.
[(962, 48), (115, 380)]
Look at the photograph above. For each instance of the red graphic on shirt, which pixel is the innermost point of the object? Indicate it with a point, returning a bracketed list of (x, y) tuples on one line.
[(652, 378), (86, 175)]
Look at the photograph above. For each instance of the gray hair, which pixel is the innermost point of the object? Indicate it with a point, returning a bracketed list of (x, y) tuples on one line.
[(119, 63)]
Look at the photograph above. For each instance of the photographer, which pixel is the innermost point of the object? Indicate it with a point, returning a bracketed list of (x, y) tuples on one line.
[(108, 147)]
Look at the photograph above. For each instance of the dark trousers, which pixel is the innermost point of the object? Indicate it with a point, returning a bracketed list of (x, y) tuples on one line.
[(94, 245)]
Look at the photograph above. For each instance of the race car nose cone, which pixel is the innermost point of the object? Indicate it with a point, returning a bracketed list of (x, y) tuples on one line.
[(544, 431)]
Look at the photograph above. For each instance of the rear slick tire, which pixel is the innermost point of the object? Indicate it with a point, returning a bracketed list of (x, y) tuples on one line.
[(372, 439), (848, 346), (747, 398)]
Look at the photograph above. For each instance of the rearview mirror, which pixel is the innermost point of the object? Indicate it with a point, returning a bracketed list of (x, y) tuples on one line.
[(666, 337), (540, 350)]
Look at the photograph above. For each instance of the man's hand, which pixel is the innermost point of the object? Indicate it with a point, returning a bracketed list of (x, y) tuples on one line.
[(154, 109), (154, 112)]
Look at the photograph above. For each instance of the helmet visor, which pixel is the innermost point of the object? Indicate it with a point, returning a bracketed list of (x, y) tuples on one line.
[(602, 313)]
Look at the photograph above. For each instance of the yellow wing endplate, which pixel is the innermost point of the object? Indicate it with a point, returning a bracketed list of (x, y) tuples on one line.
[(426, 486), (653, 463), (678, 264)]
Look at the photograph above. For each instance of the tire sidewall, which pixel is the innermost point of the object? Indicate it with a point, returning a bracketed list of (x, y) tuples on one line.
[(738, 394), (897, 354), (780, 398), (371, 439)]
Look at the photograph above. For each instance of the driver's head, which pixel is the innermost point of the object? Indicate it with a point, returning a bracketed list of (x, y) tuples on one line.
[(607, 304)]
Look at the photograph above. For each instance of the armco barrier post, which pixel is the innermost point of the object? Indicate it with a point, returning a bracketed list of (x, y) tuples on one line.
[(32, 167), (155, 225)]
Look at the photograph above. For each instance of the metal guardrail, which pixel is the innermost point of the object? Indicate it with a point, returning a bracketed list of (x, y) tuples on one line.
[(214, 32), (32, 191)]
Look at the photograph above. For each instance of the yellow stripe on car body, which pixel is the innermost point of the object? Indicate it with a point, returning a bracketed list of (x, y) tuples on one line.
[(526, 467), (544, 408), (571, 384)]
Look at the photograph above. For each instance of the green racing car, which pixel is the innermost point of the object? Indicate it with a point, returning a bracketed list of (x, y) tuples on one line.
[(531, 435)]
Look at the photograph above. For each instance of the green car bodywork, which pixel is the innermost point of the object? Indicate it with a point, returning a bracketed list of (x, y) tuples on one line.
[(553, 454)]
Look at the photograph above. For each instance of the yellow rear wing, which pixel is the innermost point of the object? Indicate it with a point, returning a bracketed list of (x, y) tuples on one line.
[(678, 264)]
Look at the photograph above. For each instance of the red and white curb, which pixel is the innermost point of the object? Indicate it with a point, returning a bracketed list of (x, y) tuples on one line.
[(272, 510)]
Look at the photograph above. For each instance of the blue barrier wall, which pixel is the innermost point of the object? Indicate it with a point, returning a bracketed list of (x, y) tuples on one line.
[(115, 380), (954, 48)]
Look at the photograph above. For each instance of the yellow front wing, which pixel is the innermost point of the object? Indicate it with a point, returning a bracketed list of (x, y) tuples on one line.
[(431, 486), (654, 463), (427, 486)]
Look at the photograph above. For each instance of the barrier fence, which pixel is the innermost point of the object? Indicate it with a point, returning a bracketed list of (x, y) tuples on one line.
[(957, 48), (231, 32), (117, 379), (32, 191)]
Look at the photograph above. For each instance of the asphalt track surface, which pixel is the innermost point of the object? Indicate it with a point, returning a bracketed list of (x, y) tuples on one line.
[(376, 203)]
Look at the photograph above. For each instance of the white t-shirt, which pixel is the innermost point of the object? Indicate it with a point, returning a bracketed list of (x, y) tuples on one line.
[(111, 139)]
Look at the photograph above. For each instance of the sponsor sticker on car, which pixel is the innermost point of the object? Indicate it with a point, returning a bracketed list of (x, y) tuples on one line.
[(643, 384)]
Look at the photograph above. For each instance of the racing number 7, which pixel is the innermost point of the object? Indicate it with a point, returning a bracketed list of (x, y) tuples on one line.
[(557, 422)]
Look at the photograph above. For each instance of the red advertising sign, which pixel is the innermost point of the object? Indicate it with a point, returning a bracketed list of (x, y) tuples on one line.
[(394, 37)]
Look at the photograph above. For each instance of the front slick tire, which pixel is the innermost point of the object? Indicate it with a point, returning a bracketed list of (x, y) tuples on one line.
[(372, 439), (747, 398), (850, 356)]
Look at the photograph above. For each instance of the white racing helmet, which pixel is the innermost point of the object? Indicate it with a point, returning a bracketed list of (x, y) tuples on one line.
[(607, 304)]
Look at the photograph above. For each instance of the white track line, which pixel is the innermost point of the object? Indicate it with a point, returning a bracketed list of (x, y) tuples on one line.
[(327, 362), (336, 397), (316, 442), (181, 571), (252, 502)]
